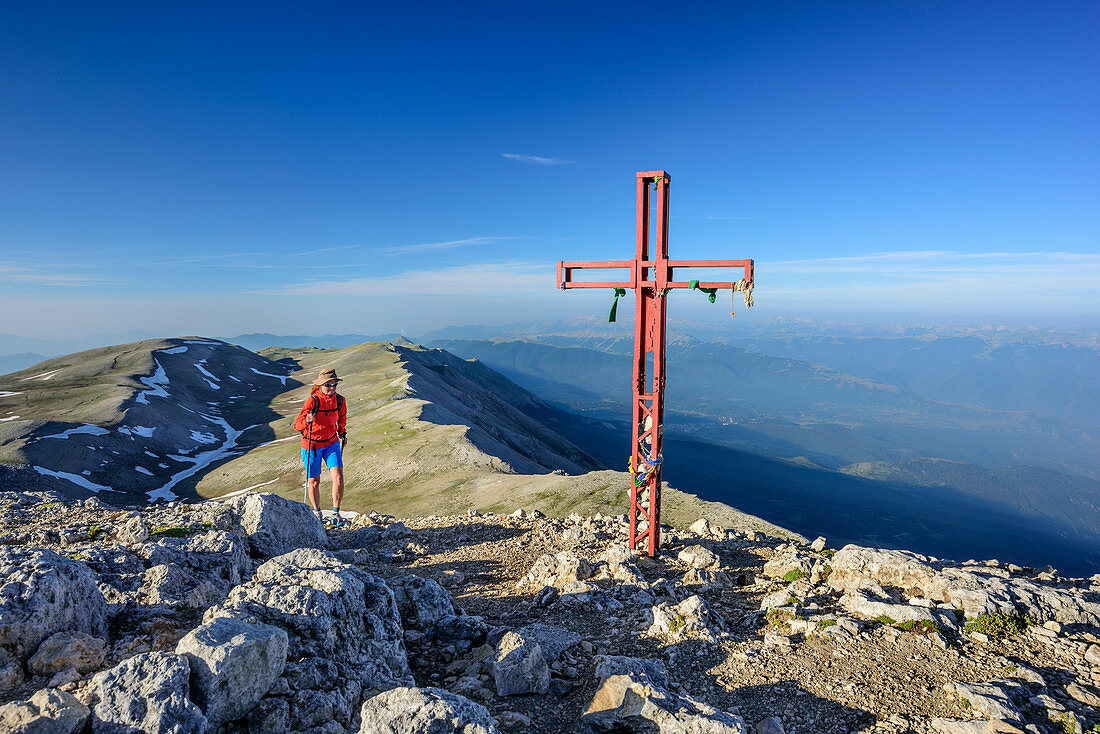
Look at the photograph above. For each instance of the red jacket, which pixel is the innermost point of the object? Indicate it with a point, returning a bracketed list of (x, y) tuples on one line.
[(329, 424)]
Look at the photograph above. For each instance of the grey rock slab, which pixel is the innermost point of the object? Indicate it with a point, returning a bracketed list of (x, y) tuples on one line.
[(424, 711), (1085, 695), (64, 650), (977, 590), (233, 664), (147, 693), (422, 602), (652, 670), (11, 674), (954, 726), (861, 604), (42, 592), (633, 695), (989, 699), (553, 640), (48, 711), (132, 532), (275, 525), (519, 667)]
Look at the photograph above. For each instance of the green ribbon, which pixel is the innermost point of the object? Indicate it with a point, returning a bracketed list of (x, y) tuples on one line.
[(615, 304), (712, 293)]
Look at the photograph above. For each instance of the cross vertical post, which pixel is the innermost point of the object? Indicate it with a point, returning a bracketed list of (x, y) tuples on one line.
[(651, 279)]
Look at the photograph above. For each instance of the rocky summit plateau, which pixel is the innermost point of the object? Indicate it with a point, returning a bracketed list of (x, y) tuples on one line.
[(247, 615)]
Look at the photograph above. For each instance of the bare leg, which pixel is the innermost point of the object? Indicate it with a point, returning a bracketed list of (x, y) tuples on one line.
[(337, 485), (315, 492)]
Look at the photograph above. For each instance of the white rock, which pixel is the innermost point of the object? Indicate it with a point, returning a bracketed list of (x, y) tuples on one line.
[(697, 556), (133, 532), (233, 664)]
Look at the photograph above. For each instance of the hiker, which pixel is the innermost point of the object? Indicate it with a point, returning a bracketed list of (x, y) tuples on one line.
[(323, 424)]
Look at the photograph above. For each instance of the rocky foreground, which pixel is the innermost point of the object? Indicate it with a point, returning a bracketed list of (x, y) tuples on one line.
[(247, 616)]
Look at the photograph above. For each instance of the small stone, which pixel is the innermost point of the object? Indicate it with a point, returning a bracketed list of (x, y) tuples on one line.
[(513, 720), (818, 545), (770, 725), (65, 650), (1084, 695), (47, 712), (64, 678)]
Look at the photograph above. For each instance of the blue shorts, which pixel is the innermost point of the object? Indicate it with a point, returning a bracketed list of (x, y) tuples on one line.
[(329, 454)]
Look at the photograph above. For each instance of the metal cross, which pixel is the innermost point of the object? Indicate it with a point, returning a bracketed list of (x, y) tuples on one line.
[(651, 278)]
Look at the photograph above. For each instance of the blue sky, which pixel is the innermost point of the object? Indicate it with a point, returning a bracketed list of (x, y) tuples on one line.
[(218, 168)]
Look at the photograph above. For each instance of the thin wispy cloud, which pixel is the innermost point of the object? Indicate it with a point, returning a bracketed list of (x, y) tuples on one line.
[(937, 279), (329, 249), (448, 245), (46, 277), (535, 159), (508, 278)]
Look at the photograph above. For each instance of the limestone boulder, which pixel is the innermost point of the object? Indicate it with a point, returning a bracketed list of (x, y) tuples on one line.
[(48, 711), (428, 608), (697, 556), (691, 618), (328, 608), (856, 567), (634, 695), (233, 664), (424, 711), (197, 571), (64, 650), (553, 641), (272, 525), (147, 693), (557, 570), (788, 563), (133, 531), (42, 592), (519, 666)]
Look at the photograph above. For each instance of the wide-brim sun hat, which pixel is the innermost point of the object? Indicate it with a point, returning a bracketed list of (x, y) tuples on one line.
[(327, 376)]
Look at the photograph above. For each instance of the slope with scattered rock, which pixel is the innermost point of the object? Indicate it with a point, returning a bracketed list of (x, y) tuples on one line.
[(244, 615)]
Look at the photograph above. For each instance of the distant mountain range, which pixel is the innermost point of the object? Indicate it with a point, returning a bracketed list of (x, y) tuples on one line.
[(192, 417), (949, 441)]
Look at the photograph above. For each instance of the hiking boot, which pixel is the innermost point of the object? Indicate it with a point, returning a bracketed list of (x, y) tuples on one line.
[(337, 522)]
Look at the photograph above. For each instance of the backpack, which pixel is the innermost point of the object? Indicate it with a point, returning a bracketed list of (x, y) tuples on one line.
[(319, 409)]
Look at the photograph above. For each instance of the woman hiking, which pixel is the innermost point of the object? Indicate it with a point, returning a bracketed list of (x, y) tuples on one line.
[(323, 424)]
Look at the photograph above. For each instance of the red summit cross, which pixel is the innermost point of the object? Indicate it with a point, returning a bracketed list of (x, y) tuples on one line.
[(651, 278)]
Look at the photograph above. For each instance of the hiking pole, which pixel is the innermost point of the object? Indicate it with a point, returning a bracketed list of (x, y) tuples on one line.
[(307, 462)]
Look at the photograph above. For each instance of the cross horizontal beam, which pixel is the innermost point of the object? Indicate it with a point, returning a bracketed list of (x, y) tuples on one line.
[(565, 273)]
